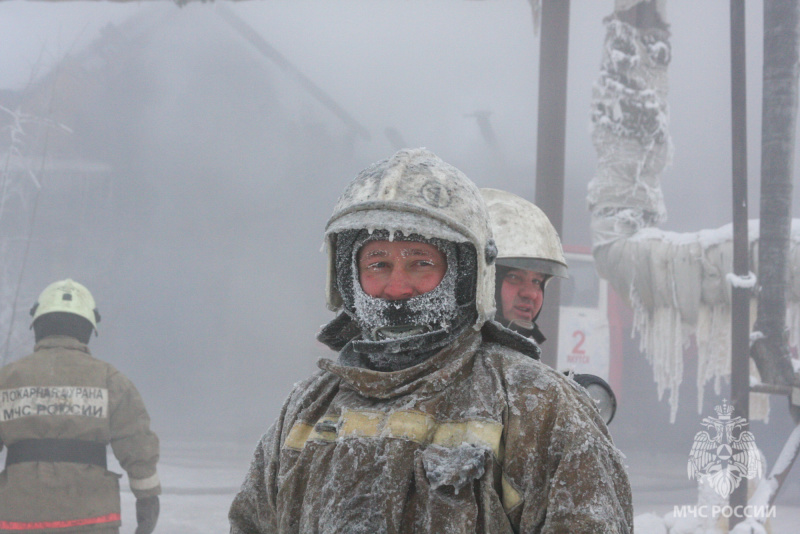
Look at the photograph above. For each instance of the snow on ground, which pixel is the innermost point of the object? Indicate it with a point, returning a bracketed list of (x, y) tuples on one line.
[(201, 478), (660, 483), (199, 481)]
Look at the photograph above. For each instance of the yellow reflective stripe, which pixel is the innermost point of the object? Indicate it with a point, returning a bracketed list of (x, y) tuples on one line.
[(413, 426), (409, 425), (298, 435), (450, 434), (511, 496), (453, 434), (362, 424), (406, 424), (483, 433)]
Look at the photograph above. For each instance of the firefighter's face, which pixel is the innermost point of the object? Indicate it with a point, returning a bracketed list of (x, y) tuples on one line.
[(396, 270), (522, 295)]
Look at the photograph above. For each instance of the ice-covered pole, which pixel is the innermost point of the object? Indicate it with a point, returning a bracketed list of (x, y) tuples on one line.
[(630, 135), (677, 284)]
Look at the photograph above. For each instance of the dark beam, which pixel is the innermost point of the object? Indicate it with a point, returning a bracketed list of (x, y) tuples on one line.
[(550, 142)]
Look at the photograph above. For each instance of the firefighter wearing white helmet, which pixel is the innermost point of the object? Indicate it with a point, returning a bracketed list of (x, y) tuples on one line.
[(59, 409), (412, 197), (66, 296), (431, 418), (529, 254)]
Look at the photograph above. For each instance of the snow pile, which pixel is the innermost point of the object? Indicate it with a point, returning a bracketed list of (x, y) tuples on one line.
[(709, 516)]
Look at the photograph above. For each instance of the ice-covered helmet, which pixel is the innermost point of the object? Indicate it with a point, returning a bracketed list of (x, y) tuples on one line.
[(66, 296), (415, 192), (525, 237)]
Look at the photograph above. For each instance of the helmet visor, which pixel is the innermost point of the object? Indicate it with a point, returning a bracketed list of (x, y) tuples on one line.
[(540, 265)]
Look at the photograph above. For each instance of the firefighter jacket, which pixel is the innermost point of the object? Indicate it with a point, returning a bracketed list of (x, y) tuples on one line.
[(64, 398), (477, 439)]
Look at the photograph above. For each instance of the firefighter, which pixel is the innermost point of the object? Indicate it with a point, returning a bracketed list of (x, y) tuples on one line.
[(529, 254), (433, 418), (59, 409)]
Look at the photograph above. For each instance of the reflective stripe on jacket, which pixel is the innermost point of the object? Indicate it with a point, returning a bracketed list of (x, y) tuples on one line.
[(477, 439), (62, 392)]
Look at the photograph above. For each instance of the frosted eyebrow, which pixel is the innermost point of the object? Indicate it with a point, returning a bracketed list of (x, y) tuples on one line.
[(374, 253), (416, 252), (379, 253)]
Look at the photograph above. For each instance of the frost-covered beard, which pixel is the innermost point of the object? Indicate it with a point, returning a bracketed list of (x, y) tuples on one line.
[(399, 333), (381, 319)]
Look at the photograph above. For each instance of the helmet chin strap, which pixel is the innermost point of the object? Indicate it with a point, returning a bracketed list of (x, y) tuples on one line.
[(398, 332), (526, 328), (519, 323), (411, 349)]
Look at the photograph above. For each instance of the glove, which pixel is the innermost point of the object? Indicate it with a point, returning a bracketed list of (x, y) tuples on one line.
[(147, 509)]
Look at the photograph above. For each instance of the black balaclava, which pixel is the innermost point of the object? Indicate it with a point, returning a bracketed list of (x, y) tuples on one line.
[(397, 334), (62, 324), (527, 331)]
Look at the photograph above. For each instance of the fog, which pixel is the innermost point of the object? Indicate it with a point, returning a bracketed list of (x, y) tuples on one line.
[(187, 172)]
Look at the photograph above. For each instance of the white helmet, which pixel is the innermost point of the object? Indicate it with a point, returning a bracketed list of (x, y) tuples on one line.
[(525, 237), (66, 296), (415, 192)]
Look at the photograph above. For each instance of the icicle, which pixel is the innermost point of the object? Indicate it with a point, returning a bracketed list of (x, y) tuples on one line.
[(713, 349), (661, 338)]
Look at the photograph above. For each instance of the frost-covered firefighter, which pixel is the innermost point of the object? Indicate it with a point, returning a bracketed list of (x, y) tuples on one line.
[(59, 408), (434, 418), (529, 254)]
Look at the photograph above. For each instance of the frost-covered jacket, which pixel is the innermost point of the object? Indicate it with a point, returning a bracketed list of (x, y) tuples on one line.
[(62, 392), (477, 439)]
